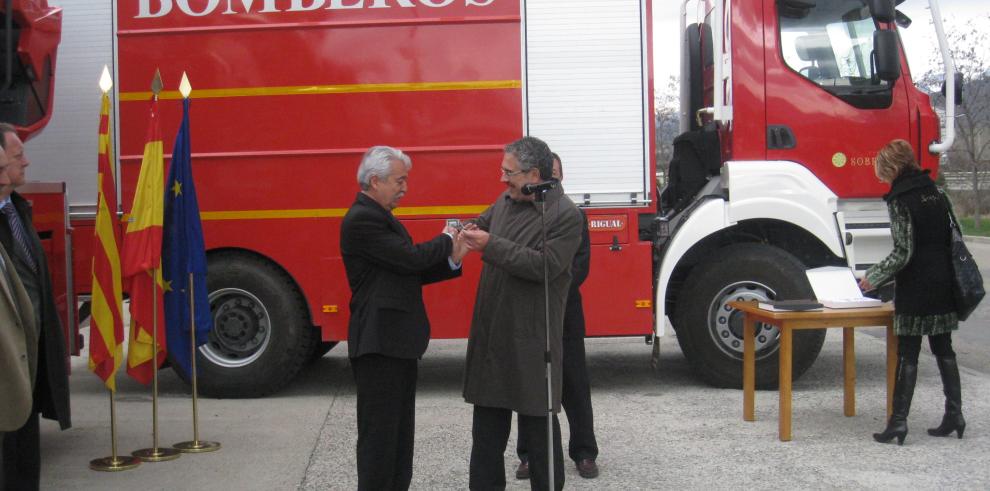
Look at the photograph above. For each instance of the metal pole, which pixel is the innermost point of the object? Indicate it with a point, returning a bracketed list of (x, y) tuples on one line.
[(114, 462), (546, 354), (155, 453), (113, 427), (192, 351), (195, 446)]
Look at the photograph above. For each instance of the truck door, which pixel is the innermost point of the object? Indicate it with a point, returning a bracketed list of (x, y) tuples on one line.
[(826, 108)]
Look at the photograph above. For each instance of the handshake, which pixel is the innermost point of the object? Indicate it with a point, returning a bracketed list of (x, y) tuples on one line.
[(467, 237)]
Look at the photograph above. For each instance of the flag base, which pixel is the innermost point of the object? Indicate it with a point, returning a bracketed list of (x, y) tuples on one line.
[(156, 454), (111, 464), (197, 446)]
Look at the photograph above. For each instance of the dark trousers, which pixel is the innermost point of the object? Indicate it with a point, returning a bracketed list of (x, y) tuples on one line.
[(576, 400), (22, 457), (909, 347), (490, 434), (386, 419)]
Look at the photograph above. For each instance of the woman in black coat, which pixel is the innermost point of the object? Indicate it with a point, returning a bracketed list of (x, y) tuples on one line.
[(921, 267)]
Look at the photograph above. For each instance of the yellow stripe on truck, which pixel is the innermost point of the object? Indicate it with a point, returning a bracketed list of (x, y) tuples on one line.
[(327, 89), (406, 211)]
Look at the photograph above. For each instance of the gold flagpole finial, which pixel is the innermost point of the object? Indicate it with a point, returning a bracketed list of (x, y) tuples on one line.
[(106, 82), (156, 83), (185, 88)]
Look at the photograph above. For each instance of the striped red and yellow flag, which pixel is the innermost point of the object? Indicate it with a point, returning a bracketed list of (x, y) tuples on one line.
[(142, 259), (107, 322)]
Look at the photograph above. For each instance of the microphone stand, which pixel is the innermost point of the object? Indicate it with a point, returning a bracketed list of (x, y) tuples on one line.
[(541, 198)]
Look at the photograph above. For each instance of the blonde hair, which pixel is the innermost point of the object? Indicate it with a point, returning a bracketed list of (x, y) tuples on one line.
[(894, 158)]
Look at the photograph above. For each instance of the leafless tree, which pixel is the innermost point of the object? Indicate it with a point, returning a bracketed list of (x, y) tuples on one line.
[(667, 121), (968, 40)]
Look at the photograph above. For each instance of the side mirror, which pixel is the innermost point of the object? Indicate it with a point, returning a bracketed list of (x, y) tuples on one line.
[(959, 89), (887, 54), (882, 10), (902, 20)]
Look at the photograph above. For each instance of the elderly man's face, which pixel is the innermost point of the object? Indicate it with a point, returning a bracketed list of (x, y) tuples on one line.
[(388, 191), (17, 161), (514, 178)]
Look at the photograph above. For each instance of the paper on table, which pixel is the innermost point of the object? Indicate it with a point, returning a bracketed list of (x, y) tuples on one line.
[(836, 288)]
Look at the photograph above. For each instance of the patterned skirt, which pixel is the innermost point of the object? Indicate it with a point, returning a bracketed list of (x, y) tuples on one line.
[(925, 325)]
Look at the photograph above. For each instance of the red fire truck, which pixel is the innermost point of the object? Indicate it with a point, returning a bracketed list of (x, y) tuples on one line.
[(785, 103), (30, 31)]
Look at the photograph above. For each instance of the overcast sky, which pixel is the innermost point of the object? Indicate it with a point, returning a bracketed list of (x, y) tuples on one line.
[(919, 39)]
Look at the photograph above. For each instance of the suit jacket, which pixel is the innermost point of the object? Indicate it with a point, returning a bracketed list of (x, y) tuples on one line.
[(18, 349), (574, 310), (52, 384), (386, 273)]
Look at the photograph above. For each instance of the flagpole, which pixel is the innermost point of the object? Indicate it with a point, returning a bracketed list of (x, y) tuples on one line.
[(195, 446), (155, 453), (114, 462)]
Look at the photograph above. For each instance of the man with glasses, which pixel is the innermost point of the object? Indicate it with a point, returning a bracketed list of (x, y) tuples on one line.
[(505, 367)]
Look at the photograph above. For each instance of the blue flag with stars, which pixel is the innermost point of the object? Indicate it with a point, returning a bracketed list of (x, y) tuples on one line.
[(183, 254)]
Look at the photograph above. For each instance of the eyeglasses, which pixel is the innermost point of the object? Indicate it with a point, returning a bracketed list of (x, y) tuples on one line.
[(510, 173)]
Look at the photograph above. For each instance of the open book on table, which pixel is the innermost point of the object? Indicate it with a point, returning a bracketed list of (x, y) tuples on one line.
[(836, 288)]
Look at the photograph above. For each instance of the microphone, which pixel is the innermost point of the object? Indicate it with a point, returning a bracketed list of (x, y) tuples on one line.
[(539, 187)]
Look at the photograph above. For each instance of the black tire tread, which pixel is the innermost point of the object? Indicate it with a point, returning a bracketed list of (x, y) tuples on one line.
[(693, 336), (286, 365)]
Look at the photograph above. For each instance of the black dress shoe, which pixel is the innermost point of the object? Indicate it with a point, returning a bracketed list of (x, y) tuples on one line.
[(522, 472), (587, 468)]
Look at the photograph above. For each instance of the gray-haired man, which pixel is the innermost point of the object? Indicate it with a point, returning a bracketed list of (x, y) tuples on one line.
[(505, 365), (388, 330)]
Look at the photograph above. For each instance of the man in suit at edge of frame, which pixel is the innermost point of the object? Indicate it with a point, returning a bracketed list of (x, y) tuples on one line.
[(22, 448)]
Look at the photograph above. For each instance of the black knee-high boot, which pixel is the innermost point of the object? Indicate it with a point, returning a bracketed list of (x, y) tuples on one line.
[(907, 375), (953, 418)]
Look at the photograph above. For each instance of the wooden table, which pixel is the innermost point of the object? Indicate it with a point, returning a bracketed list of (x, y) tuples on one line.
[(787, 322)]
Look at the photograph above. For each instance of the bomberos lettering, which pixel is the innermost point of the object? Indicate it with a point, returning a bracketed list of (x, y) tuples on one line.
[(193, 8)]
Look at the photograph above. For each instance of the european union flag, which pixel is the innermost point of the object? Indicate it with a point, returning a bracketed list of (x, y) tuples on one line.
[(183, 253)]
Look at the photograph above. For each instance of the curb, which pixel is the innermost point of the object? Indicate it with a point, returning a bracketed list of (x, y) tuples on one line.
[(976, 239)]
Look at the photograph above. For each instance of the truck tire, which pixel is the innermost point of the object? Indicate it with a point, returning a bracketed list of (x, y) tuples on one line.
[(261, 333), (710, 332)]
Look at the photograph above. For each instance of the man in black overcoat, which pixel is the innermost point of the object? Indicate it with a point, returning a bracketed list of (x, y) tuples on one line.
[(22, 448), (389, 329)]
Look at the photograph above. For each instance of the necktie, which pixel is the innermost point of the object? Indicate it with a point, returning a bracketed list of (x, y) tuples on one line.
[(20, 236)]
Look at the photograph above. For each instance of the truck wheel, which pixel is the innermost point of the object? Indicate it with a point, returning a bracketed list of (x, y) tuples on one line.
[(711, 333), (261, 331)]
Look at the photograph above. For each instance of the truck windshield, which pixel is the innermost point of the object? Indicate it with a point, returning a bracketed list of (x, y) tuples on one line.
[(831, 44)]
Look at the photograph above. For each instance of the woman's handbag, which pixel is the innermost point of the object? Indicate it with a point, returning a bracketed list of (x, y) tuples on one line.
[(967, 287)]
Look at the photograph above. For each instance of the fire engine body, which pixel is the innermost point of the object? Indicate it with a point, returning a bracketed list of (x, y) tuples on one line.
[(287, 95), (30, 31)]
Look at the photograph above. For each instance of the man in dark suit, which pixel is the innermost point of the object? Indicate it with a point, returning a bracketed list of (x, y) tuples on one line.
[(22, 448), (388, 330), (576, 389)]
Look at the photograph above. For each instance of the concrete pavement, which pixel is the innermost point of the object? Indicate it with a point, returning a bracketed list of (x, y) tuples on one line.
[(655, 432)]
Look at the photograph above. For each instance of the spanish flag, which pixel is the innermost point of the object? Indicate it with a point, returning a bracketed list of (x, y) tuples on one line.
[(142, 260), (107, 324)]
